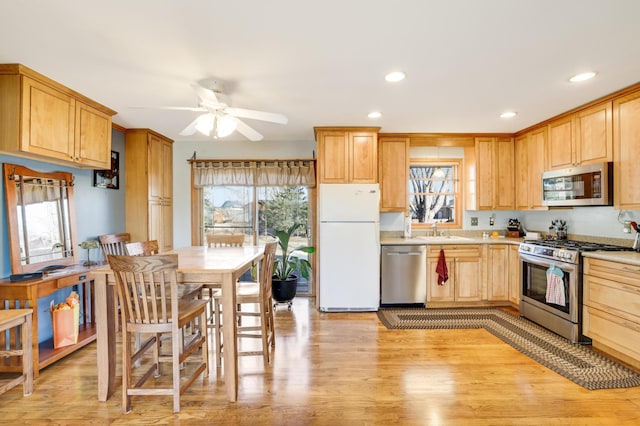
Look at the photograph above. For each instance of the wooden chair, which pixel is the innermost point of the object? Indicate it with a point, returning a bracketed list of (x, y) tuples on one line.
[(150, 248), (114, 244), (148, 289), (225, 240), (256, 293), (219, 240)]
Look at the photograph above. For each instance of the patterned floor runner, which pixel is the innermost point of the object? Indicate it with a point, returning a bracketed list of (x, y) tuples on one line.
[(577, 363)]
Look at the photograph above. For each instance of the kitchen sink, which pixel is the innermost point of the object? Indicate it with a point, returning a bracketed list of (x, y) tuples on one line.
[(443, 238)]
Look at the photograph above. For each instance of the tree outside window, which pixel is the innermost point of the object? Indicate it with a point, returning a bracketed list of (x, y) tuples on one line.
[(434, 191)]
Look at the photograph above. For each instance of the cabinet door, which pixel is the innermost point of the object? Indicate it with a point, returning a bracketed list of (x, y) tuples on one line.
[(48, 121), (363, 159), (485, 166), (561, 148), (521, 162), (498, 272), (514, 275), (626, 139), (92, 137), (333, 152), (167, 170), (156, 180), (594, 134), (156, 222), (393, 160), (468, 271), (504, 180), (440, 293), (167, 227), (537, 165)]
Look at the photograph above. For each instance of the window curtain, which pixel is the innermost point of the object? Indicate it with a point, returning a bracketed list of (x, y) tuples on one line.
[(254, 173), (41, 190)]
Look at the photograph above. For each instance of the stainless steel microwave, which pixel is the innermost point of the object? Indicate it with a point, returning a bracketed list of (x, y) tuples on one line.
[(589, 185)]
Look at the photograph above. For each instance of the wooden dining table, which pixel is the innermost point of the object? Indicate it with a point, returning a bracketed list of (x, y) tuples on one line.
[(196, 264)]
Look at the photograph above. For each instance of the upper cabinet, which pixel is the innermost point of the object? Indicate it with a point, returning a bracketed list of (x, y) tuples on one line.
[(347, 154), (149, 194), (393, 173), (583, 137), (529, 154), (626, 139), (495, 173), (43, 120)]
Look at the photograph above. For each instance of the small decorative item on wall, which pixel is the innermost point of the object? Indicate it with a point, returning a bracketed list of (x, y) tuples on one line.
[(109, 178)]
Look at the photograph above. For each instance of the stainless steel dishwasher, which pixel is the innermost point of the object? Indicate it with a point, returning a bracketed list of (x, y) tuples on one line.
[(403, 275)]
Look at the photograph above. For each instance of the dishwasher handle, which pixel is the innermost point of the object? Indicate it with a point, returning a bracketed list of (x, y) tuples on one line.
[(405, 253)]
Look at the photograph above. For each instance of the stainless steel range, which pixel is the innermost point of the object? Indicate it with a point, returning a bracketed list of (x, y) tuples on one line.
[(552, 284)]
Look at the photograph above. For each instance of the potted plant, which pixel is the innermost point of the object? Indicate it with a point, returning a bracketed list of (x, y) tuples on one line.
[(284, 280)]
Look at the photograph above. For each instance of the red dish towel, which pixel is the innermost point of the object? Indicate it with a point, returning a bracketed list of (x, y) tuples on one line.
[(441, 269)]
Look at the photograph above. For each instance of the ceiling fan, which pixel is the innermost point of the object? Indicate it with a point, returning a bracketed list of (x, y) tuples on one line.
[(220, 119)]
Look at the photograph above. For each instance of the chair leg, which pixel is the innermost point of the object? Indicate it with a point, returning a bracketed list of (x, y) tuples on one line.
[(218, 331), (126, 371), (176, 349)]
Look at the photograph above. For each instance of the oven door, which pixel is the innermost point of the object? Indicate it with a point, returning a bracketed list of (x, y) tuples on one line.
[(534, 286)]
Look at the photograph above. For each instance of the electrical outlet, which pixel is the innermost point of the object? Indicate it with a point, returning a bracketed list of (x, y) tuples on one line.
[(474, 221), (492, 220)]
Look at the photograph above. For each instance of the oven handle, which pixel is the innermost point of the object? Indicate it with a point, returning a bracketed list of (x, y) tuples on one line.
[(545, 263)]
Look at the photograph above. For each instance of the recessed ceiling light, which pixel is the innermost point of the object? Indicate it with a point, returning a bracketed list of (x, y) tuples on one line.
[(583, 76), (395, 76), (374, 114), (508, 114)]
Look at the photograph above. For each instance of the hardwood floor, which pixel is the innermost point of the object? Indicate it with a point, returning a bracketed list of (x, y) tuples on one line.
[(343, 369)]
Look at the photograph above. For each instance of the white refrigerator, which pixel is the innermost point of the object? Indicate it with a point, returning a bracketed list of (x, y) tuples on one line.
[(349, 247)]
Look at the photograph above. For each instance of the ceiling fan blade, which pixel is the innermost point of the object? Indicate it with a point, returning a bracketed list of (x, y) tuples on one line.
[(191, 128), (173, 108), (247, 131), (257, 115), (205, 94)]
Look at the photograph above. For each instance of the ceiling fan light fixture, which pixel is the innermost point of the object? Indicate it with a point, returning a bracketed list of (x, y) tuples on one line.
[(205, 124), (225, 125), (395, 76)]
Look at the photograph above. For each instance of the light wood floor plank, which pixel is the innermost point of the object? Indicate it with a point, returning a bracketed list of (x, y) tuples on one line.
[(344, 369)]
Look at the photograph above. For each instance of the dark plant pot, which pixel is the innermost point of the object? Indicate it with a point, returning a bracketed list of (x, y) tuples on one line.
[(284, 290)]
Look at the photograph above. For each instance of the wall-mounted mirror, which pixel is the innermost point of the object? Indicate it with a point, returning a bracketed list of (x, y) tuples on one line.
[(41, 218)]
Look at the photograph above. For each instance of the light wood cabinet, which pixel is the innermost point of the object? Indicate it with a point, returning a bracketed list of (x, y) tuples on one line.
[(626, 139), (149, 191), (515, 275), (498, 272), (611, 309), (347, 154), (495, 173), (43, 120), (529, 149), (464, 264), (393, 173), (584, 137)]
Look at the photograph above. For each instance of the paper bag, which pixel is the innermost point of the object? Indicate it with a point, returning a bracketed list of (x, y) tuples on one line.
[(65, 323)]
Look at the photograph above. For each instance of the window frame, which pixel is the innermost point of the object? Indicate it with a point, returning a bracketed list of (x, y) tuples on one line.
[(457, 194)]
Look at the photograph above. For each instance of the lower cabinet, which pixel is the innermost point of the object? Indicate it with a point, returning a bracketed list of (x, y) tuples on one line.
[(515, 275), (611, 312), (464, 264), (497, 272)]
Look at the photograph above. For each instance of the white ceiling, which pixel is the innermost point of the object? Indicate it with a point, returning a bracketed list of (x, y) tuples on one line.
[(322, 63)]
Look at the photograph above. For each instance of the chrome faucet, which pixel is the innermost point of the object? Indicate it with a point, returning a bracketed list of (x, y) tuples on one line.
[(435, 229)]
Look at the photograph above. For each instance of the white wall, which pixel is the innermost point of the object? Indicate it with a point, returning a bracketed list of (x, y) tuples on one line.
[(183, 151)]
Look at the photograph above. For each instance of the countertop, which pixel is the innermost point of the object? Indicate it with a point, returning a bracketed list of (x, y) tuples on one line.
[(628, 257), (454, 239)]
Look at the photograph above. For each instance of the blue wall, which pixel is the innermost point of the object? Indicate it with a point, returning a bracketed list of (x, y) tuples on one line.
[(98, 211)]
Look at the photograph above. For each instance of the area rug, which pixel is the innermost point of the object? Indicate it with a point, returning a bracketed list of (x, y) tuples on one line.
[(577, 363)]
